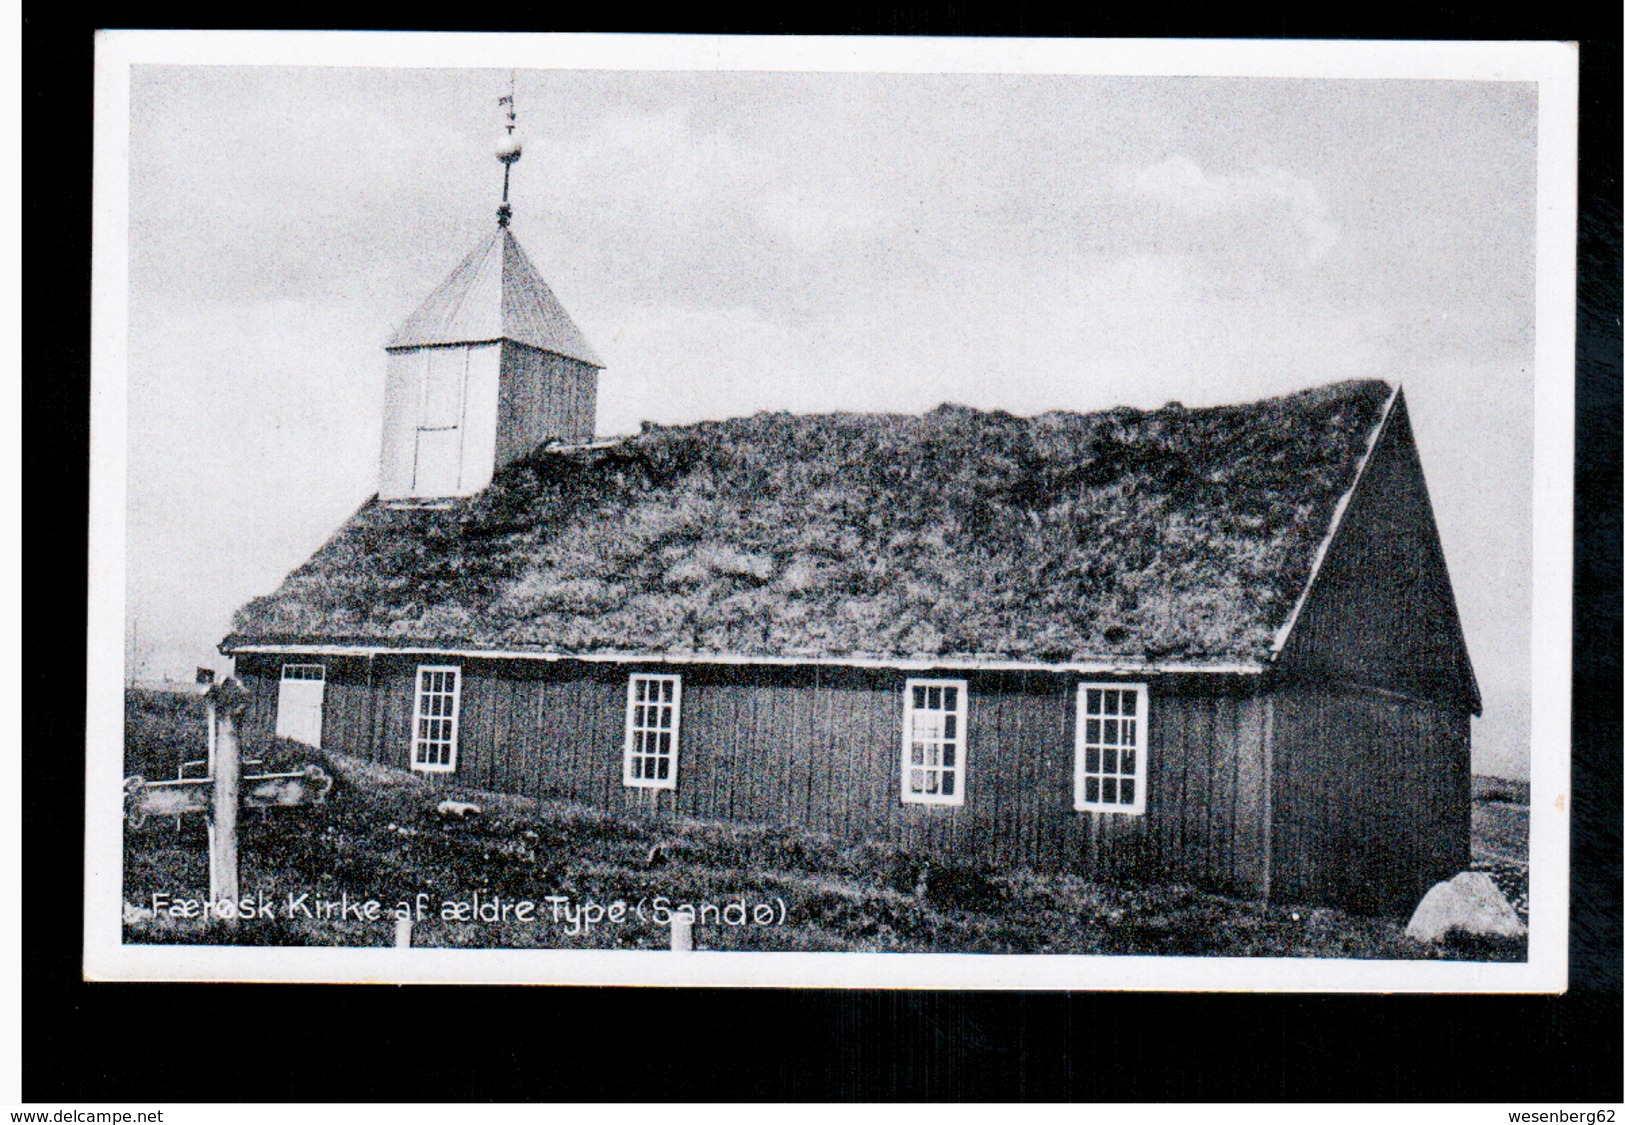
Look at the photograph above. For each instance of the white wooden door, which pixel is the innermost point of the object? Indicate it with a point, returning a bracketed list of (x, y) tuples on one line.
[(440, 419), (299, 703), (440, 455)]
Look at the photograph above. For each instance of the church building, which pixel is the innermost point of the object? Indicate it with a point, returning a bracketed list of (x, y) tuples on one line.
[(1210, 645)]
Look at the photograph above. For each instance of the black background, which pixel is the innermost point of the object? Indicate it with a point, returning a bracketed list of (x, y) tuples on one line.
[(145, 1043)]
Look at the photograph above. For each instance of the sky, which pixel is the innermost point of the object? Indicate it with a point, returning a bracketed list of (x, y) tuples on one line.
[(745, 241)]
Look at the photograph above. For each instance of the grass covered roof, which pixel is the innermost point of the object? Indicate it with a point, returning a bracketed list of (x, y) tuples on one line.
[(1125, 535)]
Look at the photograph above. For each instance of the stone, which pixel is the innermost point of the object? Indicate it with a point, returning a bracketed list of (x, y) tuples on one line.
[(460, 809), (1470, 903)]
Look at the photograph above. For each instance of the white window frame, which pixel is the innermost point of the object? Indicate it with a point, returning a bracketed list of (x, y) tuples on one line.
[(418, 718), (301, 672), (1081, 746), (631, 753), (961, 766)]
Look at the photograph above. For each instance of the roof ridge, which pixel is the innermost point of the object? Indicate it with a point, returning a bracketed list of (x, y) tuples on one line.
[(950, 408)]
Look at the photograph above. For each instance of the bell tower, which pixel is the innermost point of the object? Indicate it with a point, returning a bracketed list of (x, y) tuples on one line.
[(487, 369)]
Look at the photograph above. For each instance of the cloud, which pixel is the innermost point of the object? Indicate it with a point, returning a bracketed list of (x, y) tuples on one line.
[(682, 362), (1285, 200), (663, 175), (812, 218), (645, 162), (1085, 333), (1096, 331)]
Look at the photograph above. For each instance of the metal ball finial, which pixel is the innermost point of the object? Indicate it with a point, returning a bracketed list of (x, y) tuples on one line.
[(509, 150)]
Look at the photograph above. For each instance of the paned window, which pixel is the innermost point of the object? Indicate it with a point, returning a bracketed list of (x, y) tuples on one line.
[(434, 719), (653, 705), (934, 742), (1110, 768)]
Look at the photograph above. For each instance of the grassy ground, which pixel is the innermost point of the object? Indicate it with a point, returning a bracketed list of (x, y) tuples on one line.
[(1501, 836), (381, 837), (1500, 819)]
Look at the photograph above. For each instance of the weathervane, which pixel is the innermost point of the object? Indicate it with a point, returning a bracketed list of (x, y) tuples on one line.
[(508, 152)]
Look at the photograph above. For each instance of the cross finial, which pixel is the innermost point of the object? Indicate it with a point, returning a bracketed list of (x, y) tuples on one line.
[(508, 152)]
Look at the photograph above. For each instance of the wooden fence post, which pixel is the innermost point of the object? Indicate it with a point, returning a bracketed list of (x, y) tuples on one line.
[(227, 771), (220, 796), (208, 708)]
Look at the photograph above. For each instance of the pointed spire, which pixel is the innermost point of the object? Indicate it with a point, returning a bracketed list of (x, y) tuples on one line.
[(495, 294), (508, 152)]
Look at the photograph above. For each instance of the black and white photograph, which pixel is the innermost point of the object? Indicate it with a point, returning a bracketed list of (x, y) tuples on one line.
[(642, 510)]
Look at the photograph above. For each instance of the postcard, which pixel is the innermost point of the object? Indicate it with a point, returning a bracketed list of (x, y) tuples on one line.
[(826, 512)]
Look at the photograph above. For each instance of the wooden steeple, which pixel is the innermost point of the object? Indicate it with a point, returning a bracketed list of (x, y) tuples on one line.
[(489, 367)]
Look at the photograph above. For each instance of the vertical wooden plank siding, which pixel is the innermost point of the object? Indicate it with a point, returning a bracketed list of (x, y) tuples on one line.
[(1371, 797), (260, 675), (819, 748), (542, 397), (1250, 825)]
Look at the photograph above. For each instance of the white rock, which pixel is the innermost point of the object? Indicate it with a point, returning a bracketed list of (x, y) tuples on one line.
[(449, 807), (133, 913), (1471, 903)]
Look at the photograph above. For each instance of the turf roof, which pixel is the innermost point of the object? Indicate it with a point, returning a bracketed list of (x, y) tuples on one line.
[(1123, 535)]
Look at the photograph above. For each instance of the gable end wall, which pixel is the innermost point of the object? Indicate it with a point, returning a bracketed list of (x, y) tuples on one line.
[(1381, 612), (1373, 693)]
